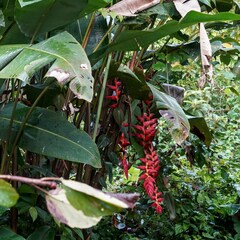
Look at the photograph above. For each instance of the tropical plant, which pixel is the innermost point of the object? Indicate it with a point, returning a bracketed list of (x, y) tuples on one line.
[(81, 90)]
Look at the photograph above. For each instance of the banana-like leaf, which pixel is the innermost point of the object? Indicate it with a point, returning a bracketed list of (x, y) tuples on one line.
[(134, 40), (170, 109), (79, 205), (50, 134), (35, 17), (69, 63)]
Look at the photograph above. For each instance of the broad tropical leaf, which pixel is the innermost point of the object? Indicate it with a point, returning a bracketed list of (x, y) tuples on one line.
[(7, 234), (46, 15), (173, 113), (50, 134), (8, 195), (79, 205), (200, 128), (133, 40), (69, 63)]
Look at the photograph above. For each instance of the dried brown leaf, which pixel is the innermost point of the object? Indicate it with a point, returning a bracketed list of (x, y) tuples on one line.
[(129, 8)]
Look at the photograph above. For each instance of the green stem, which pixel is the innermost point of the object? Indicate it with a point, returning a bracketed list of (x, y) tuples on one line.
[(101, 97), (26, 119), (10, 126), (103, 38), (89, 28)]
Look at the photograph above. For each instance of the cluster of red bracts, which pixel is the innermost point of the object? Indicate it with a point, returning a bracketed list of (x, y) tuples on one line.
[(146, 129), (116, 88), (124, 143), (145, 132), (150, 170)]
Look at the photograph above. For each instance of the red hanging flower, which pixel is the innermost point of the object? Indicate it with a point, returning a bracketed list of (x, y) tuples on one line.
[(124, 143), (116, 88)]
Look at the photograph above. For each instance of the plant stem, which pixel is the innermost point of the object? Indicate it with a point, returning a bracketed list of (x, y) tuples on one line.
[(102, 96), (44, 182), (26, 119), (88, 31), (4, 158)]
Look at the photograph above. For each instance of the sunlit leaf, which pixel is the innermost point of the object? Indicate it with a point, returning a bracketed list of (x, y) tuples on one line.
[(69, 63), (61, 209), (8, 195)]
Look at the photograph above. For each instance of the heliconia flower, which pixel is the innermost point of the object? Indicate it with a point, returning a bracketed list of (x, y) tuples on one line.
[(116, 93), (123, 144), (145, 131)]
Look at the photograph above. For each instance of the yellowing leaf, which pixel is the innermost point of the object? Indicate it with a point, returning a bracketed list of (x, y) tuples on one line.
[(227, 45), (60, 208)]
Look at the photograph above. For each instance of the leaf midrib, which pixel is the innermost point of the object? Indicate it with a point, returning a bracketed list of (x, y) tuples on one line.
[(49, 132)]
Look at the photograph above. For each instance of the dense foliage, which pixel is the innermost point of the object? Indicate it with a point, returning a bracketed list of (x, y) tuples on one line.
[(122, 99)]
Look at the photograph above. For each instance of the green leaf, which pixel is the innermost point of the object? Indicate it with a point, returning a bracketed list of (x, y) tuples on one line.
[(45, 232), (89, 202), (33, 213), (231, 209), (8, 195), (7, 234), (94, 202), (46, 15), (70, 63), (133, 40), (61, 209), (50, 134), (200, 128), (173, 113), (94, 5), (81, 206)]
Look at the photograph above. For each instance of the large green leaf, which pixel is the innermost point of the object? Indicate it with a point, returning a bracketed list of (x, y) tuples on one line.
[(35, 17), (70, 63), (50, 134), (7, 234), (81, 206), (133, 40), (173, 113), (44, 232), (8, 195), (200, 128)]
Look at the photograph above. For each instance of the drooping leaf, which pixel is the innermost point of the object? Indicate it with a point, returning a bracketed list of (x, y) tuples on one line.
[(131, 7), (133, 40), (70, 63), (94, 202), (200, 128), (183, 8), (173, 113), (46, 15), (50, 134), (44, 232), (8, 195), (61, 209), (7, 234)]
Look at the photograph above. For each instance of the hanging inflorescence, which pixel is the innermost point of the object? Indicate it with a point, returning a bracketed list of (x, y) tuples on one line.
[(145, 131)]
